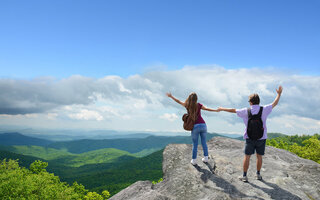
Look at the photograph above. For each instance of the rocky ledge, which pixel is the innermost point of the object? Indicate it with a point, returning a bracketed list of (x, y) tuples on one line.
[(285, 175)]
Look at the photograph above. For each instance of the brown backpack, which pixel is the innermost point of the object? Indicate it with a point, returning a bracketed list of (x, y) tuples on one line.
[(188, 122)]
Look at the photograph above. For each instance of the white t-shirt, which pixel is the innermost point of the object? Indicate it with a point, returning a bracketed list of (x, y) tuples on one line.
[(243, 113)]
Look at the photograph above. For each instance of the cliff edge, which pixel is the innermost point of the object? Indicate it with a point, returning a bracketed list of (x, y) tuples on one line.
[(285, 175)]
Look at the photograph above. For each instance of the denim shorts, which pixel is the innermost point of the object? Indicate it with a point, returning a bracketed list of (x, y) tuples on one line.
[(255, 145)]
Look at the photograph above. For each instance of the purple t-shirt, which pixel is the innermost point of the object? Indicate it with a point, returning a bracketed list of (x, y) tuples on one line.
[(243, 113), (199, 120)]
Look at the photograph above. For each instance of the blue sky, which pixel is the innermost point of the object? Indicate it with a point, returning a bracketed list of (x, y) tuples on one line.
[(99, 38), (108, 64)]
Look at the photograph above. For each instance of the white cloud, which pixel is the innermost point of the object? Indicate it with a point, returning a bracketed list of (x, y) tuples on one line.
[(85, 114), (123, 89), (137, 102), (169, 116), (292, 124)]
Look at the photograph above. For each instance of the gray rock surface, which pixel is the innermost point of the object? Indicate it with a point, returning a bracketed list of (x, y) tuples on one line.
[(285, 175)]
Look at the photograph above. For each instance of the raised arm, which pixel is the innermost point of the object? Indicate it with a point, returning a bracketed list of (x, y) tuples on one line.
[(231, 110), (209, 109), (176, 100), (276, 100)]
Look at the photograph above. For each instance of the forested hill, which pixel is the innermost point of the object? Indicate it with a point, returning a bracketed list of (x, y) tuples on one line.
[(23, 160), (305, 146), (132, 145), (19, 139), (117, 177)]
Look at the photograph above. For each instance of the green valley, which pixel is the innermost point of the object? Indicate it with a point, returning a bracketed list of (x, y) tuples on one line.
[(107, 155), (63, 157), (122, 175)]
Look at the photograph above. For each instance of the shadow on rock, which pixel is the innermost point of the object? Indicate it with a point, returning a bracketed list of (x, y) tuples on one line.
[(276, 192), (212, 169), (221, 183)]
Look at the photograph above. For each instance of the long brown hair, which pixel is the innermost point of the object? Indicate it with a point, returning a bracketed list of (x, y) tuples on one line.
[(192, 105)]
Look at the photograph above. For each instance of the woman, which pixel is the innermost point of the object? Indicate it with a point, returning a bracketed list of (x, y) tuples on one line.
[(200, 127)]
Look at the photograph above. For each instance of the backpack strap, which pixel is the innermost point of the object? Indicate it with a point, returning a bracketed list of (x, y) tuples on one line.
[(260, 112), (249, 112)]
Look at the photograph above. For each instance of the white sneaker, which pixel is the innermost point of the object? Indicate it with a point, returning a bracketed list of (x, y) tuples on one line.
[(193, 162), (259, 177), (243, 178), (205, 159)]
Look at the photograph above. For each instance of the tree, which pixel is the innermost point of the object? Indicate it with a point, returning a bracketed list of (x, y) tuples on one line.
[(37, 183), (38, 166), (305, 146)]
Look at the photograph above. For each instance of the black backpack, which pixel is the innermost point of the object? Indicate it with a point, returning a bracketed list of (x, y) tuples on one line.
[(255, 125)]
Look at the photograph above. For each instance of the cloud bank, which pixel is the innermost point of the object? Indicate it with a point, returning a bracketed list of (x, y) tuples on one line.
[(139, 101)]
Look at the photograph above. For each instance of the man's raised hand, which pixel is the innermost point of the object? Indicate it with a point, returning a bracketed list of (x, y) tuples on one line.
[(279, 90)]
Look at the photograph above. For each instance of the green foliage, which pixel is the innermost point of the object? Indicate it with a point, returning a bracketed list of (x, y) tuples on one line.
[(103, 176), (305, 146), (107, 155), (310, 149), (21, 183), (155, 182), (36, 183), (96, 196), (23, 160), (122, 175), (98, 170), (78, 188), (93, 196), (38, 166), (106, 194)]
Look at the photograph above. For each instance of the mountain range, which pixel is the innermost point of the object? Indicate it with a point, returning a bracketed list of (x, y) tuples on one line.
[(111, 164), (19, 139)]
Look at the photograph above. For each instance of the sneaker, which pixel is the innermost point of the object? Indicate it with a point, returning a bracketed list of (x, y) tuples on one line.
[(243, 178), (193, 162), (205, 159), (258, 177)]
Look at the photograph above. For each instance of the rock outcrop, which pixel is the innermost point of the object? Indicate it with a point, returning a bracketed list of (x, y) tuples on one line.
[(285, 175)]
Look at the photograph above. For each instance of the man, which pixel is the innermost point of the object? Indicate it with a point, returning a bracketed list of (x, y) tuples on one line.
[(254, 142)]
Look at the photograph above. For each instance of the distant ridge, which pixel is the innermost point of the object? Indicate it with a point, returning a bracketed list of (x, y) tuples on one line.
[(15, 138), (132, 145), (94, 136)]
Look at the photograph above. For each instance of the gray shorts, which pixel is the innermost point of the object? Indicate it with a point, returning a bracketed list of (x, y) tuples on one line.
[(255, 145)]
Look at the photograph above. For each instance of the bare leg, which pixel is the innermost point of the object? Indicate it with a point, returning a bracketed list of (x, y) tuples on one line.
[(246, 162), (259, 162)]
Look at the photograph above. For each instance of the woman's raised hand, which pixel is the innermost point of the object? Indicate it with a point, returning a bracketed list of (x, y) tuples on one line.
[(169, 94)]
